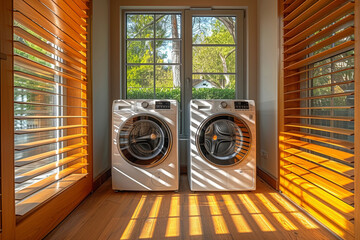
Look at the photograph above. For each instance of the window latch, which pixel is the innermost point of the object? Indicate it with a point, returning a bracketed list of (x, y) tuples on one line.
[(3, 56)]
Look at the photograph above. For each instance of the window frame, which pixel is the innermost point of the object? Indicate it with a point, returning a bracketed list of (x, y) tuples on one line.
[(242, 82)]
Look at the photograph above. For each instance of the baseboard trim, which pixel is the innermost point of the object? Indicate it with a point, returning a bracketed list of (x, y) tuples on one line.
[(99, 180), (267, 178)]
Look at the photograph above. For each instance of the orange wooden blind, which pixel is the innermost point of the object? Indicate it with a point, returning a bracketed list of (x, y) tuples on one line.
[(317, 134), (50, 99)]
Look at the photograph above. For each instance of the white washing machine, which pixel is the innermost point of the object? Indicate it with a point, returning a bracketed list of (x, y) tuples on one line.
[(145, 145), (222, 145)]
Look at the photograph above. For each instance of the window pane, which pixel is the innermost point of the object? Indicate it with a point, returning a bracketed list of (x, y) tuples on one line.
[(214, 59), (140, 52), (140, 81), (168, 76), (140, 25), (213, 30), (168, 82), (168, 51), (213, 86), (168, 26)]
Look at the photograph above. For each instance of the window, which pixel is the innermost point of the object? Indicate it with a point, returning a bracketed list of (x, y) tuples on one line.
[(183, 55)]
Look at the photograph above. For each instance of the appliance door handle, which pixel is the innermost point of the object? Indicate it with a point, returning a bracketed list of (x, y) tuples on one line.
[(3, 56)]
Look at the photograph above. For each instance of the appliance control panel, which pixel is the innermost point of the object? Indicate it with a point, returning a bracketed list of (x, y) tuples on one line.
[(241, 105), (162, 105)]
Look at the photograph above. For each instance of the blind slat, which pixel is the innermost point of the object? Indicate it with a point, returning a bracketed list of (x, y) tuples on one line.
[(331, 152), (313, 68), (330, 141), (63, 5), (82, 5), (340, 184), (41, 79), (306, 13), (68, 48), (333, 165), (292, 6), (47, 46), (57, 63), (343, 23), (322, 128), (27, 90), (42, 15), (60, 14), (318, 202), (317, 180), (35, 130), (321, 86), (49, 105), (312, 14), (314, 27), (49, 25), (76, 8), (293, 14), (334, 38), (40, 156), (21, 61), (48, 167), (47, 141), (321, 107), (47, 117), (330, 118), (321, 96), (322, 55)]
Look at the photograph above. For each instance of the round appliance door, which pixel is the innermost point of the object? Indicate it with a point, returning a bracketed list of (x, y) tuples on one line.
[(223, 140), (144, 140)]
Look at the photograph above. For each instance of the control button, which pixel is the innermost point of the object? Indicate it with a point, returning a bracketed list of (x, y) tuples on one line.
[(223, 104), (144, 104)]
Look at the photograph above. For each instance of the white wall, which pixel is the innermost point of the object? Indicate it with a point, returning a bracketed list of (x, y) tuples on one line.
[(268, 55), (101, 86)]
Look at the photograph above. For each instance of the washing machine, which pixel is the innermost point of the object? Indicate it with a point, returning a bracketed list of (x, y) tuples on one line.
[(145, 145), (222, 145)]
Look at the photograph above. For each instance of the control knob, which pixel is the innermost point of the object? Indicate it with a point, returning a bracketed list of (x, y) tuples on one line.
[(144, 104), (223, 104)]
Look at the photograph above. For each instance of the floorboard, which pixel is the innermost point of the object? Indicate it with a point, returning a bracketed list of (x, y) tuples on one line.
[(261, 214)]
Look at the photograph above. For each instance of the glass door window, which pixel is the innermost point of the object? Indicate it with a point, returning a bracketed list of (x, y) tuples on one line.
[(184, 55), (214, 54), (153, 55), (214, 57), (144, 140)]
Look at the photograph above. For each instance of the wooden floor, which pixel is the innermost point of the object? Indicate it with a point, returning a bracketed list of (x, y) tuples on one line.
[(263, 214)]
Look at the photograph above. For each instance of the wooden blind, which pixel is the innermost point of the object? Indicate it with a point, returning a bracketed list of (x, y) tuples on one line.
[(50, 99), (317, 110)]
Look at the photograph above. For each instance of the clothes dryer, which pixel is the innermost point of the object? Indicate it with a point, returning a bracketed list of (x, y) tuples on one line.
[(222, 145), (145, 145)]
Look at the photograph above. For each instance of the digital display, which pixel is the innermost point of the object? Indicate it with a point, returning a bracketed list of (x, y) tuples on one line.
[(162, 105), (241, 105)]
